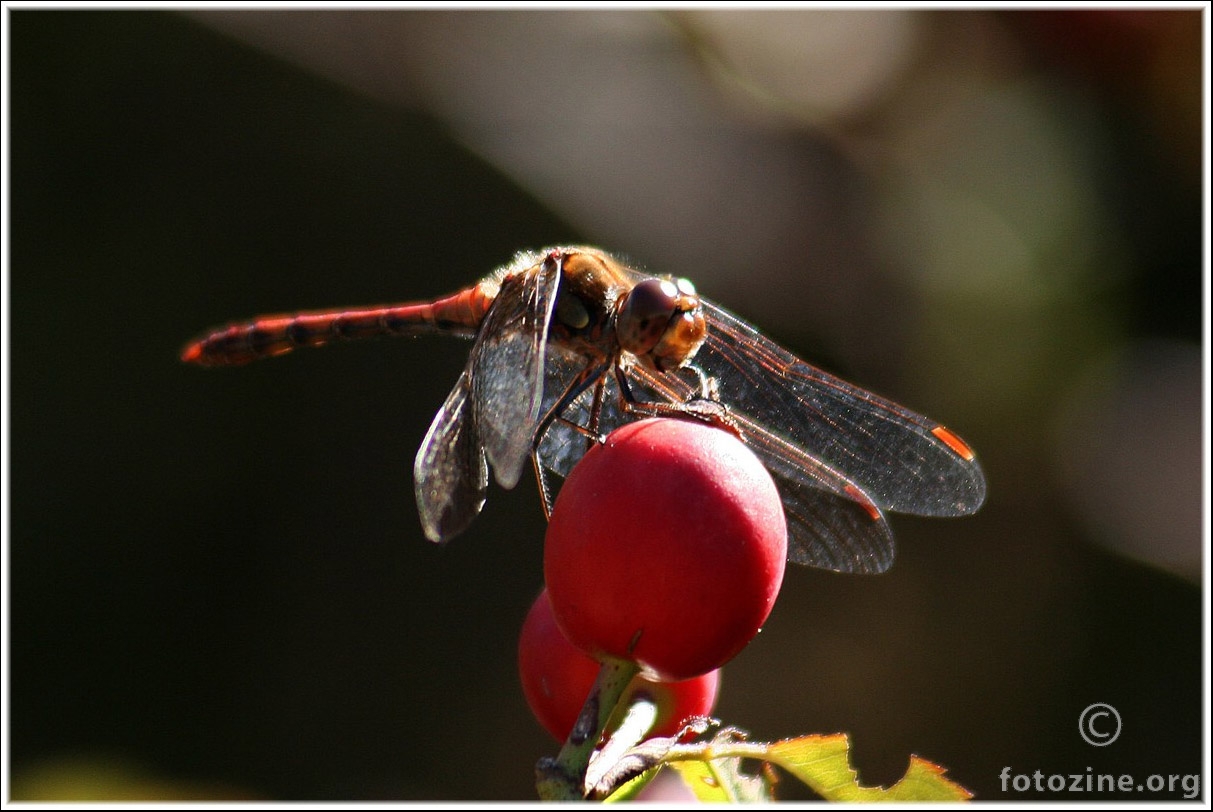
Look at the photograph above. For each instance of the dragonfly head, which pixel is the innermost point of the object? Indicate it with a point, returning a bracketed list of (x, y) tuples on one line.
[(661, 322)]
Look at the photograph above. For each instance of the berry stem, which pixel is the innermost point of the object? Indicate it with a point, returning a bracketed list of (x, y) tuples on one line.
[(563, 778), (637, 721)]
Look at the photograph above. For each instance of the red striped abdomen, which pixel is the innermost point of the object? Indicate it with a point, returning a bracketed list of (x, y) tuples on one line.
[(264, 336)]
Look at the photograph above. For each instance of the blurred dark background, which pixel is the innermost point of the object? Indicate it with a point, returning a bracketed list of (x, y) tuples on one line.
[(218, 586)]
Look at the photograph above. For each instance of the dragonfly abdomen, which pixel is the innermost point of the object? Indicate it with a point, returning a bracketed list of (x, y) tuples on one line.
[(266, 336)]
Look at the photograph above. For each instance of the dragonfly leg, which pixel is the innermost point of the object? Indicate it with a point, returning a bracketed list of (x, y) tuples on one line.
[(706, 408), (545, 493), (596, 408), (594, 374), (590, 435), (708, 388)]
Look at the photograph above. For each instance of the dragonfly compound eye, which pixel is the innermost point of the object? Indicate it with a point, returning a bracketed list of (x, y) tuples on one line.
[(661, 323), (645, 314)]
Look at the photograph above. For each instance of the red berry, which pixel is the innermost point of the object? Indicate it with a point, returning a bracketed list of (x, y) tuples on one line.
[(666, 547), (557, 677)]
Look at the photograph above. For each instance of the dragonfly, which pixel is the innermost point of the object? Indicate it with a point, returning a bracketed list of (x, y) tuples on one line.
[(571, 342)]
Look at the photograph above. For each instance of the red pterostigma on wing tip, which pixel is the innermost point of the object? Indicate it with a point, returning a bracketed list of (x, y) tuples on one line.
[(952, 441), (862, 498)]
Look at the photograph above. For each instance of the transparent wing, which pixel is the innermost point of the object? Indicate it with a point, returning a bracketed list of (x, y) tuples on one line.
[(450, 475), (831, 532), (904, 461), (833, 523), (507, 369), (562, 446)]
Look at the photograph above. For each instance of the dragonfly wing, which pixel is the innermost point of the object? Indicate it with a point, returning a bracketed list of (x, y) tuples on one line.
[(562, 445), (507, 366), (832, 522), (450, 474), (833, 533), (904, 461)]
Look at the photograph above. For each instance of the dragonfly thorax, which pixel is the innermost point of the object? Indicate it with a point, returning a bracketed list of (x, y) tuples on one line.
[(582, 315)]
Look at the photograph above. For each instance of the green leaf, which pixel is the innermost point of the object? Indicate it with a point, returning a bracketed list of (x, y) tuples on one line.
[(824, 764), (713, 770), (721, 780)]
